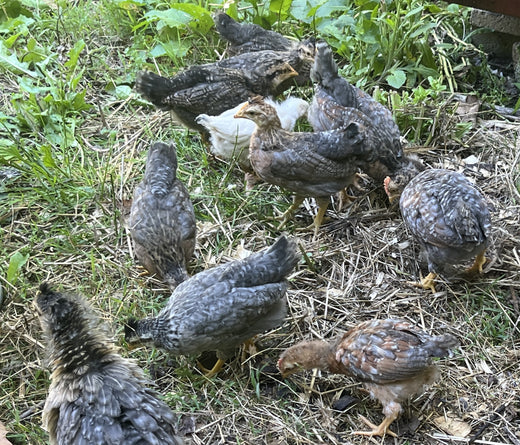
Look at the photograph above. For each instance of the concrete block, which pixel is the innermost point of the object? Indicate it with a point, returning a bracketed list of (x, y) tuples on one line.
[(497, 22)]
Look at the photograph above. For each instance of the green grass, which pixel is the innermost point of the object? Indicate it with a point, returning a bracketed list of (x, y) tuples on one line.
[(77, 137)]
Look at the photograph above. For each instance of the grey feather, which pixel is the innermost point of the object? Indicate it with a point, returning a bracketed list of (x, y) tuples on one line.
[(96, 396), (220, 308)]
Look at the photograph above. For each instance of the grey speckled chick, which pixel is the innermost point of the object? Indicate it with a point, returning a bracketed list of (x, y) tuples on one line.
[(218, 86), (220, 308), (449, 218), (249, 37), (336, 103), (96, 396), (162, 220)]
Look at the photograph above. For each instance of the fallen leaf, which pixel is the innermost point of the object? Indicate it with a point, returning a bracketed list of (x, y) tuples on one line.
[(3, 433), (471, 160), (333, 292), (453, 426)]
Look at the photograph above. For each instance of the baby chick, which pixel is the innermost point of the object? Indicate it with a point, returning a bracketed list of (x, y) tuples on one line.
[(336, 103), (316, 164), (96, 396), (220, 308), (249, 37), (448, 217), (230, 137), (391, 357), (162, 220), (244, 38), (217, 86)]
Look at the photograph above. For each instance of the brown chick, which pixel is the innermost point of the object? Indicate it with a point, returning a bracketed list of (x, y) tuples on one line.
[(315, 164), (336, 103), (220, 308), (392, 358), (213, 87), (230, 137), (447, 216), (96, 396), (162, 220), (249, 38)]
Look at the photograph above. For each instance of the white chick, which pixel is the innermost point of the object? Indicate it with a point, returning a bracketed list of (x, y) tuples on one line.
[(230, 137)]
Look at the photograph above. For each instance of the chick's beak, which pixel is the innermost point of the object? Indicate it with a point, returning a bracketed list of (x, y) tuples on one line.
[(391, 196), (241, 111), (288, 72), (292, 72), (285, 372)]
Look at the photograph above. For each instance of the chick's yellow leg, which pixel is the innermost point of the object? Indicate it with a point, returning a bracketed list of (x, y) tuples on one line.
[(297, 202), (216, 368), (143, 272), (323, 203), (378, 430), (477, 265), (428, 282)]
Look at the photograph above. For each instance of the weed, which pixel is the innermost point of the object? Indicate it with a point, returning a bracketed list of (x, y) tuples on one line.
[(73, 141)]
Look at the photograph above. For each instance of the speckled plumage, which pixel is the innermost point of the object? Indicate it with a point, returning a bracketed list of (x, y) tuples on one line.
[(216, 87), (217, 309), (261, 67), (336, 103), (162, 220), (391, 357), (96, 396), (249, 37), (230, 137), (447, 215), (245, 38), (316, 164)]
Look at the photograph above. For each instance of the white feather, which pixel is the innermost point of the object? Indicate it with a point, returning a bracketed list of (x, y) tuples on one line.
[(230, 137)]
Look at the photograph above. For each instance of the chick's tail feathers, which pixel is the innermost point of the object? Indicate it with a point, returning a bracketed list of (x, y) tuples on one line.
[(46, 288), (325, 73), (325, 69), (229, 29), (283, 254), (47, 296), (279, 260), (268, 266), (155, 88)]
